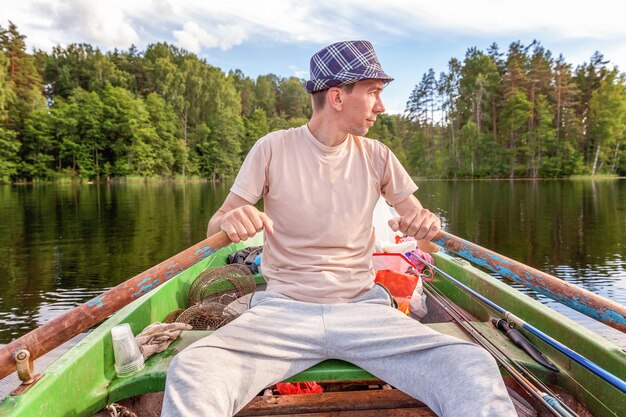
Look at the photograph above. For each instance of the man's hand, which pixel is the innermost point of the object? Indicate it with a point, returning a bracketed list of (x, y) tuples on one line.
[(420, 224), (244, 222), (239, 219), (415, 220)]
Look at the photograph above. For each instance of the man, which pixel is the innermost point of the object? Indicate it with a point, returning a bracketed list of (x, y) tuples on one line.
[(320, 183)]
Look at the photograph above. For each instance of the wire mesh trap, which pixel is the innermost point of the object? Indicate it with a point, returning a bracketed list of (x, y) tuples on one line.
[(207, 316), (222, 285), (210, 294), (171, 318)]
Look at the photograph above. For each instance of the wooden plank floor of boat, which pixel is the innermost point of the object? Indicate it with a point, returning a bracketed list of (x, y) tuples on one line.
[(366, 403), (382, 402)]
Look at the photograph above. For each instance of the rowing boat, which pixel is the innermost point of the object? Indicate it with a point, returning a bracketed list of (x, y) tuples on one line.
[(83, 381)]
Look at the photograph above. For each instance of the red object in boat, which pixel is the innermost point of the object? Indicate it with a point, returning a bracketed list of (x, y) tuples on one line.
[(287, 388)]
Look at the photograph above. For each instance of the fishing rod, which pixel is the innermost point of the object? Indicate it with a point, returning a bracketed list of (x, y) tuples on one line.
[(523, 343), (578, 358), (548, 399)]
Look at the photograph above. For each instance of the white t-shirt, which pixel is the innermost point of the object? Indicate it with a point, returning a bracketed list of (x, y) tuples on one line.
[(321, 200)]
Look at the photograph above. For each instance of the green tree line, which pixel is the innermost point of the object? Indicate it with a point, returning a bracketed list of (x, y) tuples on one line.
[(522, 113), (78, 112)]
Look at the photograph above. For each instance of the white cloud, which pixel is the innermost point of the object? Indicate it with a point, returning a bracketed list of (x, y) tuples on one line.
[(105, 24), (193, 37), (226, 24), (299, 72), (555, 19), (50, 22), (198, 24), (201, 25)]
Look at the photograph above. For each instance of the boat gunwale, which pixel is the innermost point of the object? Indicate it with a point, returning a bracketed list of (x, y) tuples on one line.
[(603, 350)]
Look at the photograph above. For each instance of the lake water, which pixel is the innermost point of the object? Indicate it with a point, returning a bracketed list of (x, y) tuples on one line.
[(62, 244)]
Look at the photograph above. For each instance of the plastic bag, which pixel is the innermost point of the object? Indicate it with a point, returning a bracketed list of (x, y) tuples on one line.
[(417, 303), (400, 277), (400, 285), (391, 248)]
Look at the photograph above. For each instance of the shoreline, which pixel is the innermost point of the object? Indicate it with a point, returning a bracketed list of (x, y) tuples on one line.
[(137, 180)]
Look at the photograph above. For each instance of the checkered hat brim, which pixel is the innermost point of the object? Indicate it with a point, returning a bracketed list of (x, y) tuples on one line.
[(344, 63)]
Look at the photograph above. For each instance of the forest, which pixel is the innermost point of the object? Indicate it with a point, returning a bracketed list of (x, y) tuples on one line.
[(78, 113)]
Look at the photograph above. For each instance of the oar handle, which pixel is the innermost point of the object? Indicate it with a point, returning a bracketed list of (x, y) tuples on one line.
[(586, 302), (61, 329)]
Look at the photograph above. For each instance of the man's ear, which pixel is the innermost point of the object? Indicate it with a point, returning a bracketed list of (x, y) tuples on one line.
[(334, 97)]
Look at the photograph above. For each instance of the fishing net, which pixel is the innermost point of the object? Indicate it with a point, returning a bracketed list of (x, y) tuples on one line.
[(207, 316), (210, 294), (171, 318), (222, 285)]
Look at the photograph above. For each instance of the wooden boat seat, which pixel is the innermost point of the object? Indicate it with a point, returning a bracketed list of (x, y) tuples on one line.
[(152, 377), (145, 387)]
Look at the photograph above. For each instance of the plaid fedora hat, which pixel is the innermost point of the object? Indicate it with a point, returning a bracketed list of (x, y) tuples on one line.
[(344, 63)]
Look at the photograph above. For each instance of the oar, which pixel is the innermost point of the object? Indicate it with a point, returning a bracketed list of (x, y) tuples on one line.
[(82, 317), (575, 356), (588, 303)]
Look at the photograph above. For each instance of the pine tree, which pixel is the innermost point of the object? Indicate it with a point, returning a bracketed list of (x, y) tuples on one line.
[(27, 97), (479, 84), (569, 129), (607, 122), (516, 108), (588, 78), (541, 133), (9, 145), (422, 100), (449, 90)]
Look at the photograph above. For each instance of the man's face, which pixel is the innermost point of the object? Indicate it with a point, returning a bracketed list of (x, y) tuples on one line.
[(362, 105)]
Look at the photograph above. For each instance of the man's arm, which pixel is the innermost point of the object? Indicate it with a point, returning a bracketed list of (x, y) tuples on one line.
[(239, 219), (415, 220)]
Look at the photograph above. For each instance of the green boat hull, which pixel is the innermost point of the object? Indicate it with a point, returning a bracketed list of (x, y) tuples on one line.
[(83, 381)]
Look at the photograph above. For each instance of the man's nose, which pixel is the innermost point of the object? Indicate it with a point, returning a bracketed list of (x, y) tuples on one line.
[(379, 107)]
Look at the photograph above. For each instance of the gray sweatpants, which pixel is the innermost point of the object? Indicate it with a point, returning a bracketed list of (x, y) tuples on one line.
[(280, 337)]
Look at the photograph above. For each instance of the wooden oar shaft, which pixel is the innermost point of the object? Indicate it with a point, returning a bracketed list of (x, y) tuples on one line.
[(81, 318), (586, 302)]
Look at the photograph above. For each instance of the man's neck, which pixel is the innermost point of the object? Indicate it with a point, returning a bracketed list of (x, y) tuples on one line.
[(325, 131)]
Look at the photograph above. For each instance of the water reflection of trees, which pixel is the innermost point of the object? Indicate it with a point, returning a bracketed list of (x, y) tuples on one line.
[(60, 244), (546, 224)]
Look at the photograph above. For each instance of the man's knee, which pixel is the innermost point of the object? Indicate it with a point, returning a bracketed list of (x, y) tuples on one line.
[(178, 362), (186, 362), (473, 357), (477, 364), (482, 356)]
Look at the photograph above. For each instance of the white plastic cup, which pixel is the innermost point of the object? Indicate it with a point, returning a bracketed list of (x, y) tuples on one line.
[(128, 357)]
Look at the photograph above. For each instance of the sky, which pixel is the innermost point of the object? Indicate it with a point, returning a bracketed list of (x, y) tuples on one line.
[(279, 37)]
